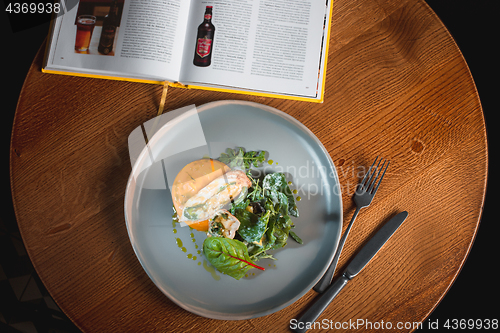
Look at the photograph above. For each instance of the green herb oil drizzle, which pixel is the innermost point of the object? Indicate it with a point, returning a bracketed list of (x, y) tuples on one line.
[(180, 244)]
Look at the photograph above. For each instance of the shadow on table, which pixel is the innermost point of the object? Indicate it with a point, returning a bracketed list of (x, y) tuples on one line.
[(25, 304)]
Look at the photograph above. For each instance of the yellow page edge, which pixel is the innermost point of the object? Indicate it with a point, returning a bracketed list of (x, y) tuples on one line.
[(326, 51), (180, 85)]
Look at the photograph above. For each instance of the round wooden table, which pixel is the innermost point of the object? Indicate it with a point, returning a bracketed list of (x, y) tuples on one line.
[(397, 86)]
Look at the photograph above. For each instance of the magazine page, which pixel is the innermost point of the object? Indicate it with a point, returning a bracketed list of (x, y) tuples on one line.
[(126, 38), (261, 45)]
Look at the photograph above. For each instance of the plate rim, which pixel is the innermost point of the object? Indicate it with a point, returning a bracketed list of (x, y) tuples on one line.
[(295, 122)]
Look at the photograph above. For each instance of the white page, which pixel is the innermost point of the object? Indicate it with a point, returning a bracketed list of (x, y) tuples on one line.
[(149, 42), (263, 45)]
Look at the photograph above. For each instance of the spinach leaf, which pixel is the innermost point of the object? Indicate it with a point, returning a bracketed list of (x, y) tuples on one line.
[(271, 225), (252, 227), (274, 184), (241, 205), (281, 230), (278, 230), (228, 256), (270, 234)]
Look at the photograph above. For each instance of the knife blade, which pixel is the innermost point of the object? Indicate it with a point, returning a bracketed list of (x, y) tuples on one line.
[(355, 266)]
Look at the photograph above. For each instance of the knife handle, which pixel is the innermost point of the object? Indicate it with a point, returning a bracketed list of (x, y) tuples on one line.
[(321, 303)]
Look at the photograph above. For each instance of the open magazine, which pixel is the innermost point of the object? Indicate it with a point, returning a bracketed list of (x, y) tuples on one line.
[(276, 48)]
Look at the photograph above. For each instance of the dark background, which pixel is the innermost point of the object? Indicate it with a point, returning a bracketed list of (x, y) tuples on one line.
[(475, 293)]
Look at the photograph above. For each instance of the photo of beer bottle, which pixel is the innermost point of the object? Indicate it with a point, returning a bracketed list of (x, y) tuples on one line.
[(204, 40), (108, 31)]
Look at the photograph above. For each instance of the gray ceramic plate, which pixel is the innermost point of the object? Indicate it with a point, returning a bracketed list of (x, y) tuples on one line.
[(169, 253)]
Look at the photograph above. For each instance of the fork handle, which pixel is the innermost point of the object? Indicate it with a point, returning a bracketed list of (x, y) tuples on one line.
[(325, 281)]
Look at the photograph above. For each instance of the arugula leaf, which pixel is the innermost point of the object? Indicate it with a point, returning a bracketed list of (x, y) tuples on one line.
[(257, 192), (228, 256), (239, 159), (258, 252)]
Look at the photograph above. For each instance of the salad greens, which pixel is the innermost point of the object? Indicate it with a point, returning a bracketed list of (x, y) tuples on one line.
[(228, 256), (252, 227), (238, 158), (264, 213)]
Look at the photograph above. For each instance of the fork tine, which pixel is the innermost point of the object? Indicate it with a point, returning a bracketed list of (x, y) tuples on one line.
[(363, 183), (378, 173), (371, 176), (380, 180)]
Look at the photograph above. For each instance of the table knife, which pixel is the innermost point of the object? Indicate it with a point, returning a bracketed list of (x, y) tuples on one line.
[(355, 266)]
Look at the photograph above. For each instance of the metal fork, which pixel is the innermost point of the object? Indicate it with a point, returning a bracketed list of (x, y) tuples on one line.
[(362, 198)]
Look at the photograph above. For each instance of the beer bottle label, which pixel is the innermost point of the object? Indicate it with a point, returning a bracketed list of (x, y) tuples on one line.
[(203, 47), (208, 16), (107, 37)]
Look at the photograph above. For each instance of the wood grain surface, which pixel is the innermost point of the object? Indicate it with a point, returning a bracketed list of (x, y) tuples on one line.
[(397, 86)]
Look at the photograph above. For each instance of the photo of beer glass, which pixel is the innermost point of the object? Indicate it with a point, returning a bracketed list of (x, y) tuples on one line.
[(84, 28)]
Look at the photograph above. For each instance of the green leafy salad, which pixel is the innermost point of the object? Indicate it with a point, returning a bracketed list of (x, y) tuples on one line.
[(264, 211)]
